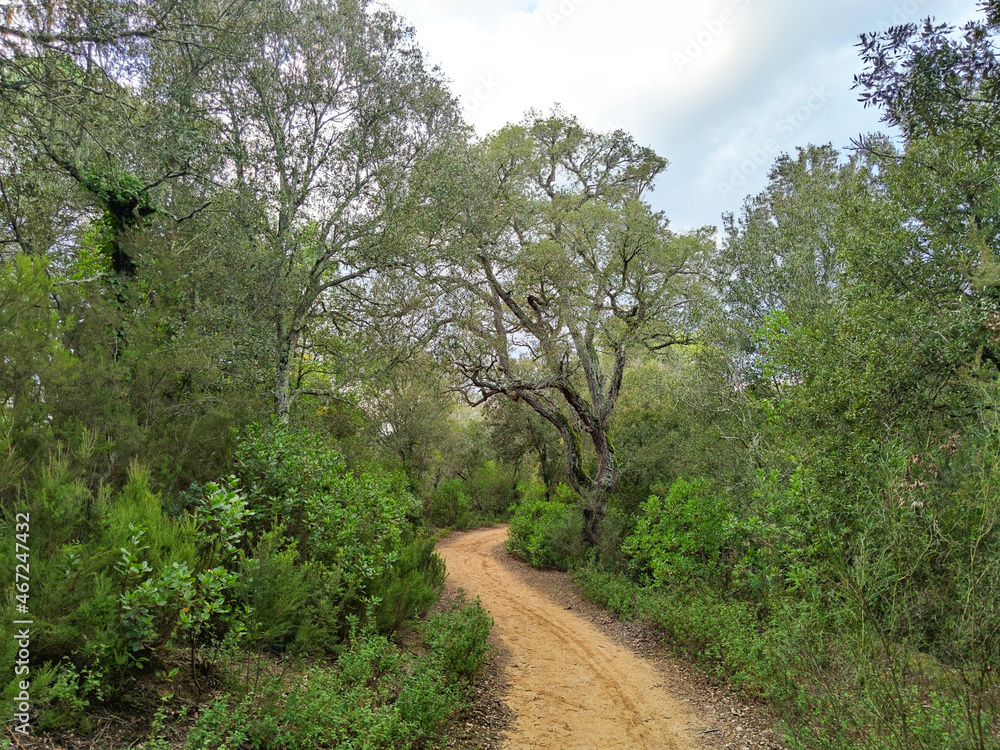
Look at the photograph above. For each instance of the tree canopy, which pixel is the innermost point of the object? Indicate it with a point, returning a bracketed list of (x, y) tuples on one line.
[(562, 274)]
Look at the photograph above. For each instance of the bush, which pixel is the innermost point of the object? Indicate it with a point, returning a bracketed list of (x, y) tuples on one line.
[(275, 589), (225, 725), (411, 586), (547, 533), (616, 527), (680, 536), (345, 519), (492, 489), (62, 692), (448, 507), (350, 706), (459, 636), (114, 581), (375, 697)]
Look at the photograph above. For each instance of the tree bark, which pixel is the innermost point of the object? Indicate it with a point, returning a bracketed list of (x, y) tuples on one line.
[(595, 501), (287, 340), (595, 491)]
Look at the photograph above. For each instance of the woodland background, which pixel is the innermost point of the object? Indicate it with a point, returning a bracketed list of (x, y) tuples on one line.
[(271, 315)]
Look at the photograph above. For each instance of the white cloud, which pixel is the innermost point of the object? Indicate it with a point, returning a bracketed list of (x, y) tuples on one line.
[(712, 86)]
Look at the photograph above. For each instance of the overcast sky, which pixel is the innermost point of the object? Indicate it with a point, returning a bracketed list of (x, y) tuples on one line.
[(718, 87)]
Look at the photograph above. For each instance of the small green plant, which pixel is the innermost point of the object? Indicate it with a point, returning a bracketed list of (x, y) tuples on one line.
[(161, 722), (63, 693), (175, 605), (547, 533), (411, 586), (459, 636), (275, 587), (221, 518), (376, 697), (226, 725)]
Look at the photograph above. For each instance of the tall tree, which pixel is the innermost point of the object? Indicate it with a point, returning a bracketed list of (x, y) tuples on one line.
[(324, 109), (557, 271), (103, 94)]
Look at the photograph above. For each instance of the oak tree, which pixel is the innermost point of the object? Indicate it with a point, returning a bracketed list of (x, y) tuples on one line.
[(557, 271)]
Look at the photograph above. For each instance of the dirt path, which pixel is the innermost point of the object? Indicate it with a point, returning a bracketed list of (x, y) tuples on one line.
[(572, 687)]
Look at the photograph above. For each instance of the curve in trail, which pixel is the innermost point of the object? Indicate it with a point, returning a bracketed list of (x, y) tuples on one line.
[(571, 686)]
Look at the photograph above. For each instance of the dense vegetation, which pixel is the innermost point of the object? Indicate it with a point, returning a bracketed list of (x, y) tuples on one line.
[(208, 409), (808, 502), (270, 315)]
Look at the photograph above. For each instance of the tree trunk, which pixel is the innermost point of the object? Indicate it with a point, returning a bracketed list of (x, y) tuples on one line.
[(595, 499), (595, 505), (287, 341), (282, 390), (595, 491)]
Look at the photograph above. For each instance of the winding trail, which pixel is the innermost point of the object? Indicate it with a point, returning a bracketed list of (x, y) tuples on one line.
[(572, 687)]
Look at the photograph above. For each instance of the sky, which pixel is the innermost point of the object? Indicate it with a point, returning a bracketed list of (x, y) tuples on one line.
[(719, 88)]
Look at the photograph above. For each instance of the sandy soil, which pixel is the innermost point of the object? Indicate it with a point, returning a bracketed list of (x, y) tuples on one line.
[(571, 686)]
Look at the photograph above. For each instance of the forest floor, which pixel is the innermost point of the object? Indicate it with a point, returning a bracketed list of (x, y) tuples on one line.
[(567, 675)]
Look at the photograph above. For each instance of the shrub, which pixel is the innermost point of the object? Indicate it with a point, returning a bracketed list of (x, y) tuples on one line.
[(331, 602), (492, 489), (62, 692), (275, 589), (615, 529), (351, 520), (427, 699), (448, 507), (227, 725), (547, 533), (459, 636), (411, 585), (680, 536), (115, 579), (532, 491), (177, 602), (376, 696), (350, 706)]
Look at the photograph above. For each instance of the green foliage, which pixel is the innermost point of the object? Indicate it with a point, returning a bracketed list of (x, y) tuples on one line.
[(375, 697), (34, 362), (720, 634), (62, 693), (221, 517), (371, 700), (546, 533), (411, 586), (140, 333), (225, 725), (823, 525), (459, 636), (682, 535), (174, 604), (492, 490), (275, 587), (840, 610), (448, 507), (114, 579), (346, 519)]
